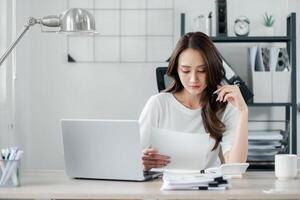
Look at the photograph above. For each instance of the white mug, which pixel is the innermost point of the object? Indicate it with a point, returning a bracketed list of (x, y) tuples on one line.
[(286, 166)]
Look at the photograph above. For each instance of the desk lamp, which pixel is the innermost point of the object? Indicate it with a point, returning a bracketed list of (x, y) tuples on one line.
[(74, 20)]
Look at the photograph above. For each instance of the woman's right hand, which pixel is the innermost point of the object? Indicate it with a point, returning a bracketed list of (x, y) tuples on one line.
[(152, 159)]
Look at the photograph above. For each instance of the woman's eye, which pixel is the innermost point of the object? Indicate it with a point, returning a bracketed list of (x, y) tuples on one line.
[(184, 71), (201, 71)]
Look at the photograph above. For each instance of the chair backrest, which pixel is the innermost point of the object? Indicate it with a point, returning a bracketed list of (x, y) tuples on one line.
[(160, 74), (162, 79)]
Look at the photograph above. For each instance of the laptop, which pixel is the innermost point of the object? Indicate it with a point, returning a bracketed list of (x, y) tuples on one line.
[(103, 149)]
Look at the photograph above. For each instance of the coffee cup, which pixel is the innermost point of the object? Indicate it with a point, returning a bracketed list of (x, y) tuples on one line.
[(286, 166)]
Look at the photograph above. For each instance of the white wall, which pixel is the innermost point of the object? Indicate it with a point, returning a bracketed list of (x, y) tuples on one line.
[(6, 74), (3, 75), (48, 88)]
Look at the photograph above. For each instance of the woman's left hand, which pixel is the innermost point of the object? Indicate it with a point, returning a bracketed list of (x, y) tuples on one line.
[(232, 94)]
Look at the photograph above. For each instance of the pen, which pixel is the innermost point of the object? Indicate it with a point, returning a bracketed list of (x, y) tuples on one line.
[(2, 166), (212, 188), (4, 154), (13, 172), (216, 92)]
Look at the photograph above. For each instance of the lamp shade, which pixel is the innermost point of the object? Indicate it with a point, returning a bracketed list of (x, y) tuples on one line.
[(74, 20), (77, 20)]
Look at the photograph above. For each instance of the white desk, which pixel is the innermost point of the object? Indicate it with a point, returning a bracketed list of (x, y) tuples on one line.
[(56, 185)]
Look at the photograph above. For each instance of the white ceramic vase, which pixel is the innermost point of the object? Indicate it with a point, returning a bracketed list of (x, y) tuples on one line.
[(269, 31)]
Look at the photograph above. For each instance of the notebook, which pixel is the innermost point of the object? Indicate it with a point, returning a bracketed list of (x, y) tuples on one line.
[(103, 149)]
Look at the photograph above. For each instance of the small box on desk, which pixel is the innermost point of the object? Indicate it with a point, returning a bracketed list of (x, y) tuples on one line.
[(9, 173)]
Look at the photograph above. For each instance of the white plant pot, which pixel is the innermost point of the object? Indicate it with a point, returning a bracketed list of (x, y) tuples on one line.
[(269, 31)]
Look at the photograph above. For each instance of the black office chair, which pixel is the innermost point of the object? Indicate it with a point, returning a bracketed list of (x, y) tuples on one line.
[(162, 79)]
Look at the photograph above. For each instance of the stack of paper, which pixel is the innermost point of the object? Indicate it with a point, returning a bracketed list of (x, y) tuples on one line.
[(264, 145), (194, 181), (265, 135)]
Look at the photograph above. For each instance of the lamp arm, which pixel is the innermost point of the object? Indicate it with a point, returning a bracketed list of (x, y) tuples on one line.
[(31, 22)]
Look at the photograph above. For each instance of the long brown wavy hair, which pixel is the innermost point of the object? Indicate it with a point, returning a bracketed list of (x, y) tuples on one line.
[(211, 109)]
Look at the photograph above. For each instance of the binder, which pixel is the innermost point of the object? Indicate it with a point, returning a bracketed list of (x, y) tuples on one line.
[(268, 84)]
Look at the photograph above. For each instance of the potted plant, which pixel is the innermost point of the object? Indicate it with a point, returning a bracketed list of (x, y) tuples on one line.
[(268, 24)]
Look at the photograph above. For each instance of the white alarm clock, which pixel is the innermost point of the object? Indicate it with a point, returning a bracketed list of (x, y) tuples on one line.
[(242, 26)]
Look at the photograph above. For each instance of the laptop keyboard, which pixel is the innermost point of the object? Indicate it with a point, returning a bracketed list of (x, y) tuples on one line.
[(149, 173)]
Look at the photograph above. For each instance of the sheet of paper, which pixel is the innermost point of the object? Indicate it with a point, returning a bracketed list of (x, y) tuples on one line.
[(259, 64), (188, 151), (252, 56), (274, 51), (265, 135)]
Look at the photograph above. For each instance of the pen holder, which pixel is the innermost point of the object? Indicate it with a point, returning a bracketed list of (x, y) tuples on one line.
[(9, 173)]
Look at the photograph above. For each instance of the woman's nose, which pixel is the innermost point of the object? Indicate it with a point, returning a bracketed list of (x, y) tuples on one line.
[(194, 77)]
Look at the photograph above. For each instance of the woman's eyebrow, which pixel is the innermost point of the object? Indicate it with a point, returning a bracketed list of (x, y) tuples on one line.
[(199, 66)]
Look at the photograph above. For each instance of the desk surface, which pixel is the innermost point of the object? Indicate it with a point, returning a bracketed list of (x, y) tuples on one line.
[(56, 185)]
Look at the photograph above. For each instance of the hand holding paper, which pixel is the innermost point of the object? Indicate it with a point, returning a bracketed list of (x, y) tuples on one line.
[(186, 150)]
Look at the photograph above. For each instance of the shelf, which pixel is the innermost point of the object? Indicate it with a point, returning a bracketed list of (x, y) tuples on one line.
[(290, 40), (251, 39), (269, 104)]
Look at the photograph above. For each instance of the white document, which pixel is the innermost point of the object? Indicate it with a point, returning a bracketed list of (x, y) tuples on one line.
[(229, 72), (274, 51), (175, 181), (259, 64), (266, 147), (252, 56), (188, 151), (265, 135)]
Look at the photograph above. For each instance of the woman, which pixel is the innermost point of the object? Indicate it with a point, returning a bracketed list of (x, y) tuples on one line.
[(197, 102)]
